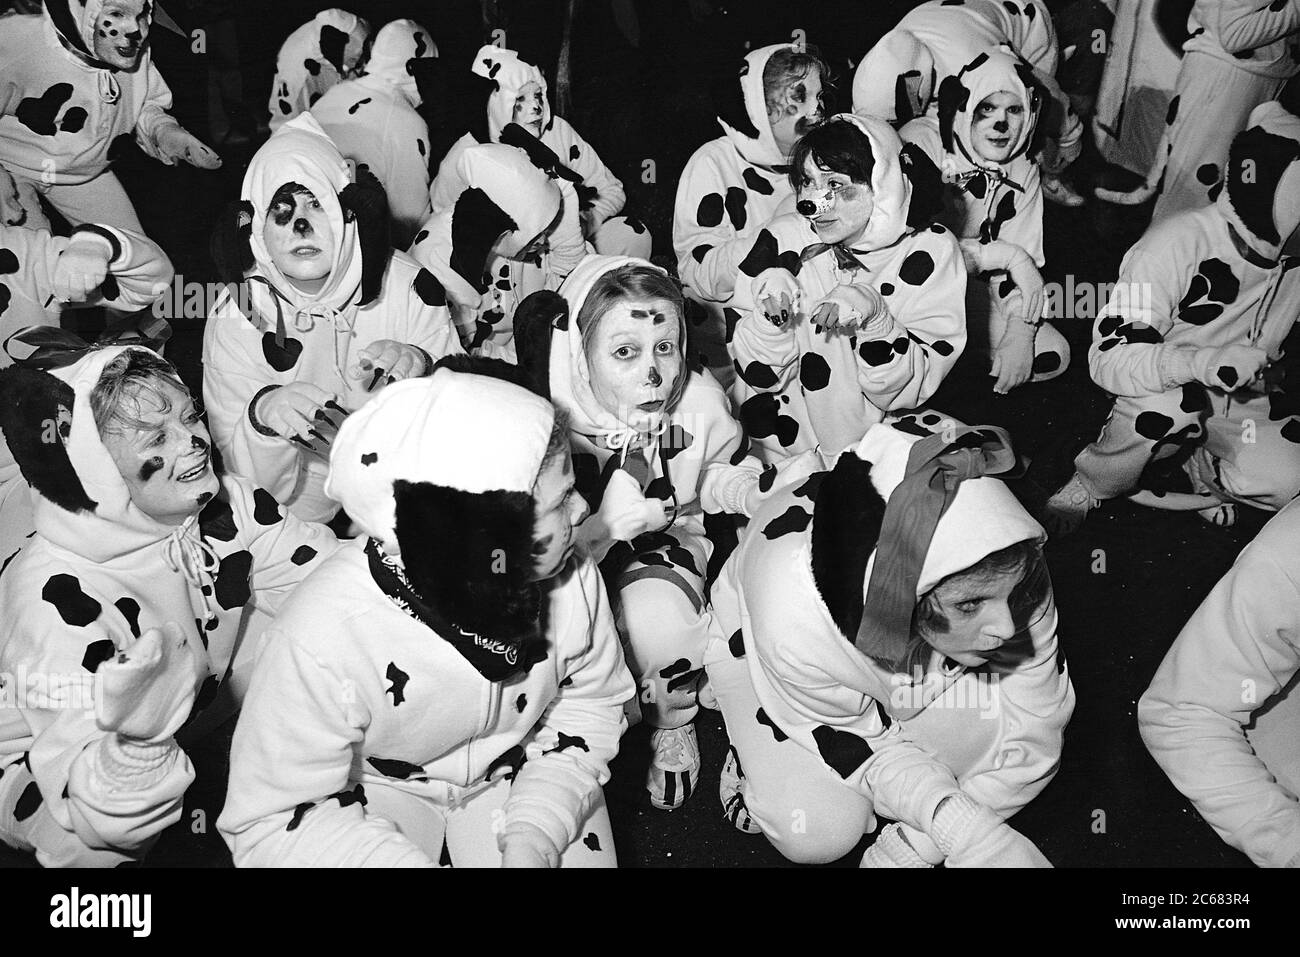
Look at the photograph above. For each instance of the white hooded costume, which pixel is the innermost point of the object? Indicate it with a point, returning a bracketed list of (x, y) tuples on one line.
[(320, 53)]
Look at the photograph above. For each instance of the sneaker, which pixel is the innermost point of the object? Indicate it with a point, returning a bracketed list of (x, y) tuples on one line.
[(733, 802), (674, 768), (1066, 510), (1224, 514), (1060, 192)]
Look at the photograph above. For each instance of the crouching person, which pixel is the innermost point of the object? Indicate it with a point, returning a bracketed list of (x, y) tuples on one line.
[(135, 606), (935, 695), (454, 676), (1222, 713)]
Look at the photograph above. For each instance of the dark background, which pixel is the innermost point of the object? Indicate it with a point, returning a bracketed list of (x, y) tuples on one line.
[(1110, 805)]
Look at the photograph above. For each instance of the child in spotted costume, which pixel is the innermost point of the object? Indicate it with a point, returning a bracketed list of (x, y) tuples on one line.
[(468, 695), (900, 76), (373, 120), (76, 77), (655, 448), (1202, 306), (733, 185), (323, 315), (325, 50), (40, 276), (983, 143), (491, 247), (850, 308), (139, 603), (1204, 718), (1240, 54), (887, 646), (519, 96)]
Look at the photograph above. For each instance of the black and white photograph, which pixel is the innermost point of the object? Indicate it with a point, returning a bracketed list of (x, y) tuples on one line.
[(651, 434)]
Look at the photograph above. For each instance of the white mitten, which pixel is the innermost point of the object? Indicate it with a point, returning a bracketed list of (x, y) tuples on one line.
[(148, 688)]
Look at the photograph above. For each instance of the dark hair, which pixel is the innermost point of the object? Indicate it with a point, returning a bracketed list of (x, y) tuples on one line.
[(837, 145), (135, 372), (559, 440), (786, 67), (634, 281), (1026, 598)]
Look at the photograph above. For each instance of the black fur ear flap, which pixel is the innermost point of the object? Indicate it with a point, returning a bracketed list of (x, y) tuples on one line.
[(476, 225), (536, 318), (230, 247), (480, 89), (927, 186), (36, 419), (1256, 161), (953, 95), (729, 104), (366, 202), (845, 528), (470, 555)]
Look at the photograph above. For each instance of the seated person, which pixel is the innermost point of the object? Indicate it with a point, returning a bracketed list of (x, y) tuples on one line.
[(77, 76), (492, 246), (1220, 716), (518, 95), (320, 315), (983, 143), (1204, 303), (886, 645), (139, 603), (329, 48), (373, 120), (453, 676), (655, 448), (850, 309)]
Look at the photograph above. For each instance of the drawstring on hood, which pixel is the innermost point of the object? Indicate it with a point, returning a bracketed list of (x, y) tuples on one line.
[(993, 71), (194, 558), (744, 118), (570, 375), (510, 74), (396, 45)]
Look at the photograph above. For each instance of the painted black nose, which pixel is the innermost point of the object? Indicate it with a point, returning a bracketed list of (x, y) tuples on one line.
[(655, 378), (806, 207), (301, 227)]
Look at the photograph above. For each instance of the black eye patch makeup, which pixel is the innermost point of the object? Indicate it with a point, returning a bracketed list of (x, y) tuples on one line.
[(151, 467), (285, 202)]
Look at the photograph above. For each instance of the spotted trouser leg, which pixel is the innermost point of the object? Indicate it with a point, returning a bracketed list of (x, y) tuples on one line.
[(102, 200), (1141, 430), (990, 306), (663, 618), (1250, 457), (27, 825)]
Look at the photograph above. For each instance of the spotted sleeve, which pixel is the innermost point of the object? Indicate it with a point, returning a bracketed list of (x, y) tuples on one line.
[(153, 117), (705, 237), (927, 300), (1245, 25), (603, 187)]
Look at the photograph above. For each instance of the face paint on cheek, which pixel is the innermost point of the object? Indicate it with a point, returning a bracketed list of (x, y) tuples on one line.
[(542, 546), (205, 497), (150, 468)]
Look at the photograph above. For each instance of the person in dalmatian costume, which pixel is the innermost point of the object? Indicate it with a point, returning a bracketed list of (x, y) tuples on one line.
[(1197, 345), (733, 185), (497, 243), (655, 449), (467, 696), (323, 314), (886, 645), (78, 76), (1240, 54), (329, 48), (900, 77), (40, 276), (983, 141), (145, 590), (518, 95), (372, 119), (1221, 714), (850, 308)]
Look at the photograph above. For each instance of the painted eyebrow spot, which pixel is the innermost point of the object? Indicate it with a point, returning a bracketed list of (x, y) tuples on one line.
[(658, 317), (151, 467)]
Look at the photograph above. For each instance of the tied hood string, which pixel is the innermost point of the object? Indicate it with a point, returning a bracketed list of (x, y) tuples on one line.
[(192, 557)]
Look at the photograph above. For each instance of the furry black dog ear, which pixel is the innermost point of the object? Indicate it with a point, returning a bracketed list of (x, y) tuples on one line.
[(470, 555), (36, 419), (953, 95), (927, 186), (1256, 161), (536, 318), (476, 225), (846, 525), (230, 246), (366, 201)]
